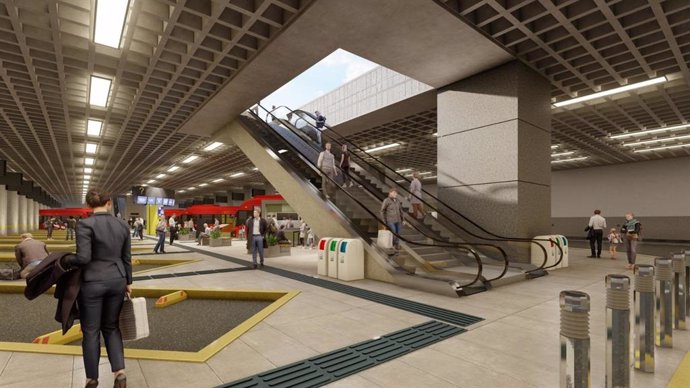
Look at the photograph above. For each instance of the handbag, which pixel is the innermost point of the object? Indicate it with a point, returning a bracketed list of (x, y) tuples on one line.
[(590, 233), (385, 239), (134, 320)]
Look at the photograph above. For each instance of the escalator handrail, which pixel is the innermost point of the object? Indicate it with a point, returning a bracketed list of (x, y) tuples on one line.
[(498, 238), (465, 247)]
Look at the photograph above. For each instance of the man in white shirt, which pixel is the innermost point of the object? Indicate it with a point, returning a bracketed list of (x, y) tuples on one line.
[(172, 225), (597, 223)]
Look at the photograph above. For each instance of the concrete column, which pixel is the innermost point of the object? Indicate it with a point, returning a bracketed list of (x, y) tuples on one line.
[(494, 154), (21, 201), (12, 212), (37, 207), (3, 210), (30, 220)]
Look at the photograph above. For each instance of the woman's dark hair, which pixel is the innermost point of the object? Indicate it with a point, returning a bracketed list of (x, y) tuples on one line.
[(95, 199)]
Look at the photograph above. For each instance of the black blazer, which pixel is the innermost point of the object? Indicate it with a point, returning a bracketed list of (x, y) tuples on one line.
[(104, 248), (263, 225)]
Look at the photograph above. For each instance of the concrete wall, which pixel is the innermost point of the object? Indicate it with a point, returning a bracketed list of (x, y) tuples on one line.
[(658, 192), (372, 91)]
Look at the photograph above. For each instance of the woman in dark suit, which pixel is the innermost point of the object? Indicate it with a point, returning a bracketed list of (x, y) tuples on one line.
[(105, 258)]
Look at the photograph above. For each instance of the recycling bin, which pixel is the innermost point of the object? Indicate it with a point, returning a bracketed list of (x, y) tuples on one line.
[(322, 264), (552, 252), (350, 260), (332, 257)]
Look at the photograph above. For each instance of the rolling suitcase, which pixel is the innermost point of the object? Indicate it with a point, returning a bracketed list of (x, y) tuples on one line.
[(134, 321)]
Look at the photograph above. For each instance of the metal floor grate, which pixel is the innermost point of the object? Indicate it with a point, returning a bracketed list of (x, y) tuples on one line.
[(433, 312), (190, 273), (327, 368)]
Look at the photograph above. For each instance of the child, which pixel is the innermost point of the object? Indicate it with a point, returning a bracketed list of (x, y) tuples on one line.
[(614, 240), (310, 239)]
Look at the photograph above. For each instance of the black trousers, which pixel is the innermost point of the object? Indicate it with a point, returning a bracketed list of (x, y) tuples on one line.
[(99, 312), (173, 234), (598, 239)]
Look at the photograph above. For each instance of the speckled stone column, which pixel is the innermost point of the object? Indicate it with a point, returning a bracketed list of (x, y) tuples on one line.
[(22, 213), (494, 152), (3, 210), (12, 212)]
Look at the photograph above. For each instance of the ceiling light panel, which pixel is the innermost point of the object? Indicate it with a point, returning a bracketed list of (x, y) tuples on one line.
[(611, 92), (110, 22), (383, 147), (190, 159), (654, 141), (88, 161), (213, 146), (91, 148), (570, 160), (99, 91), (664, 148), (173, 169), (650, 131), (237, 175), (93, 128)]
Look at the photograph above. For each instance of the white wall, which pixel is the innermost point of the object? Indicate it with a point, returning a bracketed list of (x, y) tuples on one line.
[(659, 188), (370, 92)]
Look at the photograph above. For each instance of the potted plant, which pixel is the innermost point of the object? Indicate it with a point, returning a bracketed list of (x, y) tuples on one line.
[(185, 234), (215, 240), (275, 247)]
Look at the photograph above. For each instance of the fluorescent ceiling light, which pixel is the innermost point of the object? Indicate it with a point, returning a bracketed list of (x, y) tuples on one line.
[(87, 177), (553, 147), (173, 169), (650, 131), (425, 173), (159, 176), (570, 160), (430, 177), (143, 185), (435, 134), (255, 169), (99, 90), (563, 153), (403, 170), (88, 170), (217, 180), (282, 151), (190, 159), (110, 22), (93, 127), (151, 181), (383, 147), (664, 148), (237, 175), (203, 185), (605, 93), (662, 140), (88, 161), (128, 194), (181, 191), (213, 146), (191, 188), (91, 148)]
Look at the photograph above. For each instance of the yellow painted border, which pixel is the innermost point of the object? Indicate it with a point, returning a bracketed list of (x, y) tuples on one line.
[(681, 379), (278, 297), (165, 264)]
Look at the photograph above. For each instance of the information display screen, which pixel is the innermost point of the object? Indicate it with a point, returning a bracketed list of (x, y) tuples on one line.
[(141, 200)]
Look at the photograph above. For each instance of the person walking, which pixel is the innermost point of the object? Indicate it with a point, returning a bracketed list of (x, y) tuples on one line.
[(345, 166), (392, 215), (105, 258), (256, 229), (326, 164), (415, 197), (140, 228), (614, 239), (302, 234), (49, 227), (597, 223), (631, 229), (160, 232), (71, 227), (172, 224)]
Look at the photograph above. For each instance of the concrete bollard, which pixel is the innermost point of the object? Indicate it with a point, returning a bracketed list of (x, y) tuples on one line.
[(644, 318), (617, 331), (664, 302), (574, 368), (680, 293), (686, 253)]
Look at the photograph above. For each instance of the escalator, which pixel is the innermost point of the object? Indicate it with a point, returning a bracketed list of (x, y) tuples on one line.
[(444, 223), (428, 260)]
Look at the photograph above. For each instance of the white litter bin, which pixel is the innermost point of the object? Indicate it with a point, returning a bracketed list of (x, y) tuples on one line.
[(563, 242), (332, 255), (537, 255), (322, 264), (350, 260)]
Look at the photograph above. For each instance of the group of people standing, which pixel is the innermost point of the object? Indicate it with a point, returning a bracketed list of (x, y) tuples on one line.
[(70, 226), (628, 233)]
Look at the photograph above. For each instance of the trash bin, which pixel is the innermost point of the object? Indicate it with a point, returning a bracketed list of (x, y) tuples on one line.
[(333, 257), (563, 242), (322, 264), (350, 260), (537, 255)]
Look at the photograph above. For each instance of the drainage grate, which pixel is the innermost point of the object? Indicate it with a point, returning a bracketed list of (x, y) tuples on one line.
[(433, 312), (335, 365), (191, 273)]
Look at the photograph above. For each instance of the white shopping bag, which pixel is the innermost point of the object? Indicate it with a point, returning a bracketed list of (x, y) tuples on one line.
[(134, 320), (385, 239)]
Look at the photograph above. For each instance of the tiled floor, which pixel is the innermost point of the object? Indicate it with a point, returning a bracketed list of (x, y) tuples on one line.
[(516, 346)]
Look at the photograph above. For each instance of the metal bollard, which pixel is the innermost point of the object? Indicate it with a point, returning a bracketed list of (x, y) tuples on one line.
[(574, 340), (617, 331), (644, 317), (664, 302), (680, 293), (686, 253)]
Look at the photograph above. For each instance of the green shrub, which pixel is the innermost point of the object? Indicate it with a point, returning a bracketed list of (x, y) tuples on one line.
[(183, 231), (271, 240), (215, 234)]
